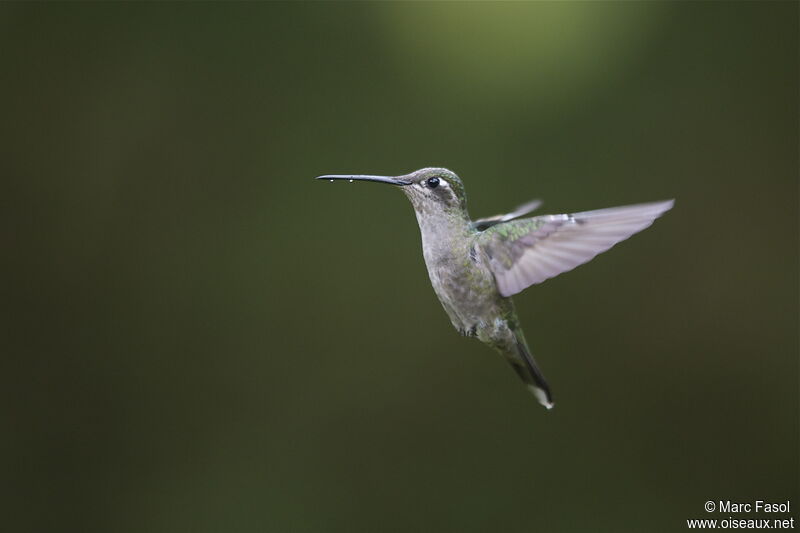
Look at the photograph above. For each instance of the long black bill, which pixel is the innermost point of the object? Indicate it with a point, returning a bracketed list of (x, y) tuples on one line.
[(362, 177)]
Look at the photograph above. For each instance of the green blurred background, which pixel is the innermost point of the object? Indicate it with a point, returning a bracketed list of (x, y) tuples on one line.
[(199, 337)]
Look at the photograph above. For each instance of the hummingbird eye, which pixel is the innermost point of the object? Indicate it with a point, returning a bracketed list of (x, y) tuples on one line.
[(433, 182)]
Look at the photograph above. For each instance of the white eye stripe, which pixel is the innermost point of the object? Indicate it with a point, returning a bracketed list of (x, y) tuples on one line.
[(426, 184)]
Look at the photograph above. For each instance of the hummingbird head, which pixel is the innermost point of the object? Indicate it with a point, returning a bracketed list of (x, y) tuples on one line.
[(435, 189), (429, 189)]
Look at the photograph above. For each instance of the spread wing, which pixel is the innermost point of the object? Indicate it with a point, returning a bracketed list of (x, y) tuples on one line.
[(528, 251), (485, 223)]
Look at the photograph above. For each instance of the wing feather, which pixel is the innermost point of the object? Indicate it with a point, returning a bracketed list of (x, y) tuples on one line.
[(529, 251), (485, 223)]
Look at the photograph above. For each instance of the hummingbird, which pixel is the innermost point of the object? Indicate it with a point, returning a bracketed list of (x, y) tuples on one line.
[(475, 266)]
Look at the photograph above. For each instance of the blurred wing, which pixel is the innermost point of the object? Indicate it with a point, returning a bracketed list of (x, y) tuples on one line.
[(484, 223), (524, 252)]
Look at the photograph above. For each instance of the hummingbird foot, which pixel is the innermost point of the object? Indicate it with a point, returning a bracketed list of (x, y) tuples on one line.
[(468, 332)]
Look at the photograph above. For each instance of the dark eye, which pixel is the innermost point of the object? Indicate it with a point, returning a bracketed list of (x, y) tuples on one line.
[(433, 182)]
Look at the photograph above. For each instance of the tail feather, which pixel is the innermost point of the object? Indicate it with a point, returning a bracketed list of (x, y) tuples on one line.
[(527, 369)]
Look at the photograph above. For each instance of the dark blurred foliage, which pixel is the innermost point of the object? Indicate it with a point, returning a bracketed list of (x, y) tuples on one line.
[(199, 337)]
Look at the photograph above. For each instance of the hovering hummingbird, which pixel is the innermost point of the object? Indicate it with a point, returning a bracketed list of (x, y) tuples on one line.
[(475, 266)]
